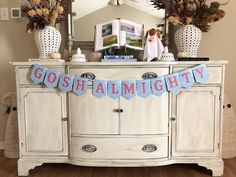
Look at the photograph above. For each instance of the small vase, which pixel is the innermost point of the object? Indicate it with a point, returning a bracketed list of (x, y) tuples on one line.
[(48, 40), (187, 39)]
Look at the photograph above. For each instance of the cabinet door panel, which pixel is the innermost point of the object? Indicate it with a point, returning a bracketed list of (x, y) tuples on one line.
[(91, 115), (195, 132), (145, 116), (45, 132)]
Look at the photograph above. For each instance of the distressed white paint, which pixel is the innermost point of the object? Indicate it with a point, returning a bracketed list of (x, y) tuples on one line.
[(119, 148), (196, 129), (44, 132), (119, 138)]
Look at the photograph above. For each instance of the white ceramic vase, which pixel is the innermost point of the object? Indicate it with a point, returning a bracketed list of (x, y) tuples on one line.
[(48, 40), (187, 39)]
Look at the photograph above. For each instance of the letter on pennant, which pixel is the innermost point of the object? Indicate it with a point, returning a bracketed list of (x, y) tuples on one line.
[(173, 83), (66, 82), (128, 89), (51, 78), (99, 88), (143, 88), (114, 89), (200, 73), (80, 86), (158, 86), (38, 73), (186, 78)]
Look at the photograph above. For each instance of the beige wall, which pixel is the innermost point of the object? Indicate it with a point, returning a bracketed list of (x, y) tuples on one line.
[(16, 45), (220, 44), (85, 25)]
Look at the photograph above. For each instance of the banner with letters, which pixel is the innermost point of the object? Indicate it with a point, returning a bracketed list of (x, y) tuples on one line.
[(117, 88)]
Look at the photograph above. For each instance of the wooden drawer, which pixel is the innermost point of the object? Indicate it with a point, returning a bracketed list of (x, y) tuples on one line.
[(119, 73), (24, 74), (119, 148), (215, 74)]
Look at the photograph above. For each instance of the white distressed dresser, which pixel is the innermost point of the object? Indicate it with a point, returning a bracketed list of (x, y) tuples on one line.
[(55, 127)]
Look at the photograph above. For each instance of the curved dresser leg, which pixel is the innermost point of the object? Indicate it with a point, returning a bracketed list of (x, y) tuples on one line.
[(25, 165), (217, 167)]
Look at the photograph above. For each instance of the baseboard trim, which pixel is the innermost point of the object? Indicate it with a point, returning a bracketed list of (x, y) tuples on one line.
[(2, 145)]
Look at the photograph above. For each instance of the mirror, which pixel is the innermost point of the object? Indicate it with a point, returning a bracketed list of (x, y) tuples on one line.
[(86, 14)]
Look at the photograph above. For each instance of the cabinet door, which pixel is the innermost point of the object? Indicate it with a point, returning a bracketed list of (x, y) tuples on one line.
[(196, 122), (144, 116), (91, 115), (42, 122)]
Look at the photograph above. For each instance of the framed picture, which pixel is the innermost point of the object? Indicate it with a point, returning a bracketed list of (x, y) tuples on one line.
[(15, 13)]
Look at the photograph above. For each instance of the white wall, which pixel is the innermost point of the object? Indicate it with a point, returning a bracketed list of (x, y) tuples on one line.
[(85, 25)]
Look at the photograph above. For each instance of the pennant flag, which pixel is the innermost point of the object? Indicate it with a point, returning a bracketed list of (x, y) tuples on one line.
[(66, 82), (200, 73), (173, 83), (143, 88), (99, 88), (114, 89), (128, 89), (80, 86), (51, 78), (186, 78), (38, 73), (158, 86)]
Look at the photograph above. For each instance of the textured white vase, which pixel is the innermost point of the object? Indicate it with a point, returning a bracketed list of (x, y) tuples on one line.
[(48, 40), (187, 39)]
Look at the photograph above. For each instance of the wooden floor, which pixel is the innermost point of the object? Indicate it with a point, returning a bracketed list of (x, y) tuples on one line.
[(8, 168)]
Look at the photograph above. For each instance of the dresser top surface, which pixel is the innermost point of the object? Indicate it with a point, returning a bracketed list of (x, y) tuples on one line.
[(140, 64)]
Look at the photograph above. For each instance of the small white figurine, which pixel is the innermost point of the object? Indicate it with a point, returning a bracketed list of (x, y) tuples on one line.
[(166, 56), (79, 57)]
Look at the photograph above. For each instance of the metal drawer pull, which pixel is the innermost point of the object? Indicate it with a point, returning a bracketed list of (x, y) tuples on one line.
[(89, 148), (149, 148), (89, 76), (119, 110), (149, 75), (173, 119)]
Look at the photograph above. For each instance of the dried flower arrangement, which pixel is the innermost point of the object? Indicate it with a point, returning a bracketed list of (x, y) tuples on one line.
[(43, 13), (192, 12)]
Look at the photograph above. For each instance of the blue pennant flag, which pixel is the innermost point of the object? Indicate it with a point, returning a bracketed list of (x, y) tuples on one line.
[(200, 73), (51, 78), (186, 78), (99, 88), (114, 89), (173, 83), (128, 89), (66, 82), (80, 86), (158, 86), (143, 88), (38, 73)]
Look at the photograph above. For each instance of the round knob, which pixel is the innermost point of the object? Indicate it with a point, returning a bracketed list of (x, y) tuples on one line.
[(173, 119), (89, 76), (149, 75), (89, 148)]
